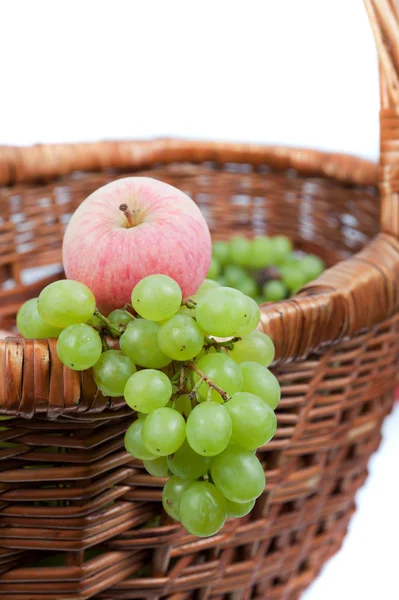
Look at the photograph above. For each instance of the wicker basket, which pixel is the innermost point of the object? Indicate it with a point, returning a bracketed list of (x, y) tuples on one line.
[(78, 517)]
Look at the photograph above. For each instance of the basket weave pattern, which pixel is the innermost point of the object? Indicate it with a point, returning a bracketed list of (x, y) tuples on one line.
[(79, 518)]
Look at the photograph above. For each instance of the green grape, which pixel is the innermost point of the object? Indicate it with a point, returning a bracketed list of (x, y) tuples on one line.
[(202, 509), (221, 280), (235, 510), (248, 286), (223, 312), (120, 317), (312, 266), (282, 246), (209, 428), (238, 474), (134, 441), (253, 319), (180, 338), (157, 467), (214, 268), (141, 415), (254, 422), (291, 259), (223, 371), (206, 285), (111, 372), (164, 431), (140, 343), (260, 381), (171, 495), (183, 405), (220, 250), (261, 255), (186, 311), (187, 464), (65, 303), (79, 347), (148, 390), (234, 275), (240, 251), (31, 325), (255, 346), (156, 297), (292, 277), (275, 290)]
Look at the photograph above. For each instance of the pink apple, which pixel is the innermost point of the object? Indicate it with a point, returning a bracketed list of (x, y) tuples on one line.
[(167, 234)]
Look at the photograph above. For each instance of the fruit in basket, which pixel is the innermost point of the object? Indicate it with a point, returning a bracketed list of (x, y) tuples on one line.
[(112, 371), (31, 325), (209, 428), (267, 269), (164, 431), (253, 421), (260, 381), (159, 230), (203, 404), (198, 499), (65, 303), (223, 312), (139, 341), (156, 297), (274, 290), (79, 347), (256, 347), (238, 474)]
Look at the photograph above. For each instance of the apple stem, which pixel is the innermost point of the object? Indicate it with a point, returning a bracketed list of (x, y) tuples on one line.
[(129, 214), (211, 384)]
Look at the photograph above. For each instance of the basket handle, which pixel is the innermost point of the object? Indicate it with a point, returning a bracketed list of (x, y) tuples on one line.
[(384, 20), (358, 294)]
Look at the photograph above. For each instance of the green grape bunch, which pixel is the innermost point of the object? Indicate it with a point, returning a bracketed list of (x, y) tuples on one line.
[(194, 372), (265, 268)]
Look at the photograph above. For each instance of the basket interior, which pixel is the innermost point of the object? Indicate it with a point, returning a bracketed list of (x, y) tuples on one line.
[(320, 215), (81, 519)]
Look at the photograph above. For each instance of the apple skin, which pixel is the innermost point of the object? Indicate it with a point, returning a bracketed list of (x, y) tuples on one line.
[(169, 236)]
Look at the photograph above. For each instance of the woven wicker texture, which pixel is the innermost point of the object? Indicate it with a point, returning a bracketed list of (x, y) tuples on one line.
[(79, 518)]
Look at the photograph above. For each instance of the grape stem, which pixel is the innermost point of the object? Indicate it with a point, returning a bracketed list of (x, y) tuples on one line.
[(129, 308), (129, 214), (189, 303), (114, 330), (229, 344), (211, 384), (195, 388), (182, 378)]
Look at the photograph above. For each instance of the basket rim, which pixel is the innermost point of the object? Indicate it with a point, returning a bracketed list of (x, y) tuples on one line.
[(46, 162), (336, 306)]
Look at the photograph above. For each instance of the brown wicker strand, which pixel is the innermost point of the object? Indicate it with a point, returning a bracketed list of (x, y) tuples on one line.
[(47, 162)]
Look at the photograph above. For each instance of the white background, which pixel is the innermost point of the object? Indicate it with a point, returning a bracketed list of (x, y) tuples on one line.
[(290, 72)]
